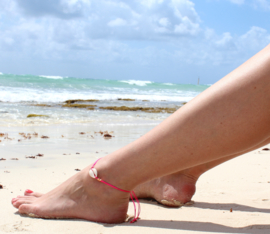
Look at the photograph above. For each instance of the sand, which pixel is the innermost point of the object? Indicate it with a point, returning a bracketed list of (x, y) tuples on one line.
[(241, 185)]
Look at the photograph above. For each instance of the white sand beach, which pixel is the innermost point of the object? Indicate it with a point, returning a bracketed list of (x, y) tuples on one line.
[(231, 198), (80, 79)]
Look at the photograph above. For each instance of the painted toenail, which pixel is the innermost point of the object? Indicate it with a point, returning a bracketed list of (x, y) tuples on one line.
[(28, 191)]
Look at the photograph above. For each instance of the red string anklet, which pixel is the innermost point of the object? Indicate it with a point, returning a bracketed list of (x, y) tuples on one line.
[(93, 174)]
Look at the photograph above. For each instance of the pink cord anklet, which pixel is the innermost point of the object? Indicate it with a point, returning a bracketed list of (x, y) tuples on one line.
[(93, 174)]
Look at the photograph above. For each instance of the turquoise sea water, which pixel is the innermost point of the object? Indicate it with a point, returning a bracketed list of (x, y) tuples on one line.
[(18, 92)]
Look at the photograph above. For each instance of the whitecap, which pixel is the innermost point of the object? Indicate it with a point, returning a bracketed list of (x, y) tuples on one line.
[(52, 77), (1, 73), (137, 82), (168, 84)]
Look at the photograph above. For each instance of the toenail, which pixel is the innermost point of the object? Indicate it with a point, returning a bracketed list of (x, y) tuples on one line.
[(28, 191), (14, 199)]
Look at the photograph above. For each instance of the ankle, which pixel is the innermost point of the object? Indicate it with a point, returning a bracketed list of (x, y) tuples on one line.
[(109, 173), (94, 174), (192, 173), (96, 188)]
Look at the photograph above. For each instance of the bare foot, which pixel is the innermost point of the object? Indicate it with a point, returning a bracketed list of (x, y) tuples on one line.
[(173, 190), (79, 197)]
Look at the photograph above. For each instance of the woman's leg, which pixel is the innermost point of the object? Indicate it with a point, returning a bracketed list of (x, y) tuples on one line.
[(172, 190), (228, 118), (178, 188)]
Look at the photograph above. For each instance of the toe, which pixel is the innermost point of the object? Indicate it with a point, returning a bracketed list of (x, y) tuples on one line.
[(28, 209), (23, 200), (28, 191), (25, 209), (34, 194), (14, 200)]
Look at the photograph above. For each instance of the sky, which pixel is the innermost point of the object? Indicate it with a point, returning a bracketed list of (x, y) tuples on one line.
[(175, 41)]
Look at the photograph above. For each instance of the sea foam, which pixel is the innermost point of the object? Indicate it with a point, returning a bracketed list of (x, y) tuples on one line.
[(55, 89), (168, 84), (137, 82), (52, 77), (16, 94)]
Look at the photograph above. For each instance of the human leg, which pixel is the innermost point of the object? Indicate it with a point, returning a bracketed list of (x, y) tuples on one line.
[(228, 118), (172, 190), (178, 188)]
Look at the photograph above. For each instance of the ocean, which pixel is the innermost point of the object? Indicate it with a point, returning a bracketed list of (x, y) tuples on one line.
[(21, 95)]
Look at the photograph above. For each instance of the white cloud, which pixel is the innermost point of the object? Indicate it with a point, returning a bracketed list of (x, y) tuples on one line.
[(164, 22), (255, 39), (142, 33), (117, 22), (8, 5), (187, 27), (226, 42), (75, 23), (209, 33)]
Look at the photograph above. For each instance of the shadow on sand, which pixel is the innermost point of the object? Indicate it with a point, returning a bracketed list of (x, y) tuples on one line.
[(196, 226)]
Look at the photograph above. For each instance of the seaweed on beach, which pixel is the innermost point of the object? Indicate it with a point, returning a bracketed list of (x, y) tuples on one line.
[(107, 136), (144, 109), (71, 101), (5, 135), (79, 106), (35, 115), (28, 135), (44, 137), (125, 99), (33, 157), (43, 105)]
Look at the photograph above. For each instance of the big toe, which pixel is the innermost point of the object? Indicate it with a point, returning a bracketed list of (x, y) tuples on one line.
[(35, 211), (26, 209), (34, 194)]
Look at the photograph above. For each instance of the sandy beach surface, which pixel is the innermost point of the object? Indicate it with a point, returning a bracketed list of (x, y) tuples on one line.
[(231, 198)]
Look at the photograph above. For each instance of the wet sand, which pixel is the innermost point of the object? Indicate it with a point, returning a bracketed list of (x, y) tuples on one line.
[(231, 198)]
